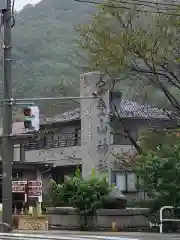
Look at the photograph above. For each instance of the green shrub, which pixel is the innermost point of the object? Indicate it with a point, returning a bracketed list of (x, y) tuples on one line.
[(85, 195), (159, 176)]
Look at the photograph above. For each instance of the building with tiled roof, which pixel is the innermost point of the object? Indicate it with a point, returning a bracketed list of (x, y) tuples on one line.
[(58, 145)]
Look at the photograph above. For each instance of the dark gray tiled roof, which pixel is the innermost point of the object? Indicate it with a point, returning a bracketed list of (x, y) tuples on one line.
[(126, 109), (130, 109), (66, 116)]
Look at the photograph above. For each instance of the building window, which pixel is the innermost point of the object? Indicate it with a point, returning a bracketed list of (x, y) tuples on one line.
[(121, 181), (126, 181), (131, 182)]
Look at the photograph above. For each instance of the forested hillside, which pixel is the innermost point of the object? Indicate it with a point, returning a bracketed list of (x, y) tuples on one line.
[(43, 50), (43, 43)]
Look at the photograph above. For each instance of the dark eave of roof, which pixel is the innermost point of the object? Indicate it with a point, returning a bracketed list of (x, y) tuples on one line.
[(30, 165)]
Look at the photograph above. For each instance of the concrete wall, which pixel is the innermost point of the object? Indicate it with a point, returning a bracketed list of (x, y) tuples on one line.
[(65, 218), (16, 153), (71, 155), (60, 156)]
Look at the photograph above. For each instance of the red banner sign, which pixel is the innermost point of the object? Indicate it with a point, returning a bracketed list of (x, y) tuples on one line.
[(19, 186), (34, 188), (35, 183)]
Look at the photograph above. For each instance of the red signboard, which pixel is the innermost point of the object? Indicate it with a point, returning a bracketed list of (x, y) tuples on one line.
[(34, 188), (35, 183), (19, 186)]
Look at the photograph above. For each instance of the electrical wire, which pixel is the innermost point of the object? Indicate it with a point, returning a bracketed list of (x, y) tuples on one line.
[(127, 8), (153, 3)]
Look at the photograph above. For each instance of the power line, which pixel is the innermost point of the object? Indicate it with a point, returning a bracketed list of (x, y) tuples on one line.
[(127, 8), (151, 5)]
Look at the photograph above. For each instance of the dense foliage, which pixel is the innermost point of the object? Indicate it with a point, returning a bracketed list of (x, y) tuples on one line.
[(159, 175), (85, 195)]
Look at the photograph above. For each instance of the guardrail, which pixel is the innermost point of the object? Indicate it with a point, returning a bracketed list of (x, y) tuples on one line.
[(162, 220)]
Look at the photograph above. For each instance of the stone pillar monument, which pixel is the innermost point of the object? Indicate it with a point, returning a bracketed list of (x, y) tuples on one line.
[(95, 127)]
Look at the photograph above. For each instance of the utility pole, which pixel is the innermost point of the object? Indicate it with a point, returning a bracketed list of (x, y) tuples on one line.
[(7, 122)]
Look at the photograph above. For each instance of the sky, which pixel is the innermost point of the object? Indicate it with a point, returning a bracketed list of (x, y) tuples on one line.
[(19, 4)]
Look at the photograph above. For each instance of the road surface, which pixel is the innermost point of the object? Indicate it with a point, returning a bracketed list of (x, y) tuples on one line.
[(73, 235)]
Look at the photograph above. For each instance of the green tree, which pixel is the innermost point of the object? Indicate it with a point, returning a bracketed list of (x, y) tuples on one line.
[(159, 176), (143, 45), (85, 195)]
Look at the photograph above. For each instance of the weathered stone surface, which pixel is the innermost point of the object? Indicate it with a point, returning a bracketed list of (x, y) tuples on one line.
[(95, 127), (65, 218), (32, 223)]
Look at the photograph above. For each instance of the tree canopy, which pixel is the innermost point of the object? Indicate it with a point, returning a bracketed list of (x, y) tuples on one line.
[(159, 174), (143, 45)]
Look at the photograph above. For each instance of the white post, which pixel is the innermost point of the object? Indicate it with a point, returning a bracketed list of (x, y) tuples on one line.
[(161, 220), (161, 217)]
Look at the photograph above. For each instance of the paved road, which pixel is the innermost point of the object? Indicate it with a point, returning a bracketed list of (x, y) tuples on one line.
[(69, 235)]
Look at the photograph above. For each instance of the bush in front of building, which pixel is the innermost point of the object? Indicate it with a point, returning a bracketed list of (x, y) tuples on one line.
[(85, 195), (159, 176)]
